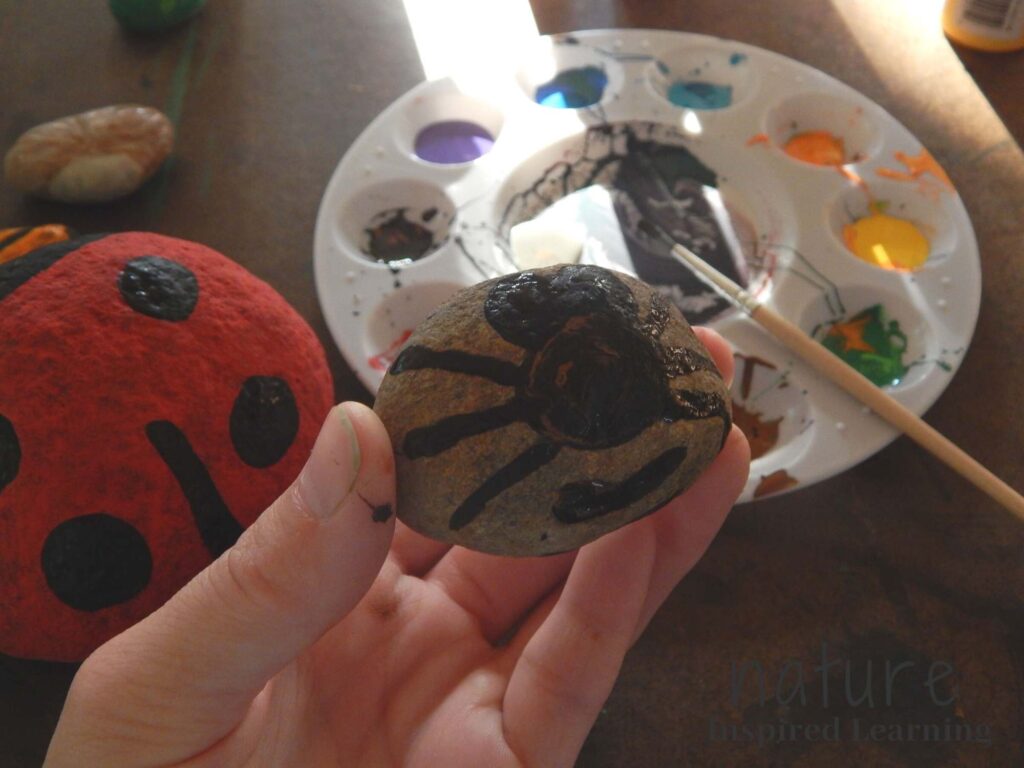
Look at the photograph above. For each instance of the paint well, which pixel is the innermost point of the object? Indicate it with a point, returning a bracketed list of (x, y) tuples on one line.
[(887, 241), (453, 141), (573, 88), (698, 94), (817, 148), (658, 190), (870, 343), (396, 238)]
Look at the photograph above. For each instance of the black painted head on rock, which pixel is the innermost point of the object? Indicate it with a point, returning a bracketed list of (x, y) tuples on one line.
[(146, 420), (595, 375)]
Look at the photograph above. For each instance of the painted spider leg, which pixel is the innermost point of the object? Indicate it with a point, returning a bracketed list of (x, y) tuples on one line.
[(418, 357), (441, 435), (592, 498), (523, 465), (694, 405)]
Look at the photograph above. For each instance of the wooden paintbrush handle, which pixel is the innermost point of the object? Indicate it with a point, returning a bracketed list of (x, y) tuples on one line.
[(832, 367)]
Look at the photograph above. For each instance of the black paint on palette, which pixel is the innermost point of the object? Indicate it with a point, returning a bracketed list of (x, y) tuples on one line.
[(661, 193), (593, 377), (391, 236)]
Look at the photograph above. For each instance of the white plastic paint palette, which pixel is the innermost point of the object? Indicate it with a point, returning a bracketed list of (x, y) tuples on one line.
[(424, 201)]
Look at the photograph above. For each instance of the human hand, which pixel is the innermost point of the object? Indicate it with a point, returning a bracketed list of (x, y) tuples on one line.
[(329, 635)]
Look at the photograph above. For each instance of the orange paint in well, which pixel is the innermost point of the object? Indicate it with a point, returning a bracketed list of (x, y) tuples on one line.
[(851, 335), (916, 167), (817, 148), (758, 138)]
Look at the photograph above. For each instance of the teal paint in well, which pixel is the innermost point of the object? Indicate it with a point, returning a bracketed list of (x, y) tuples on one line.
[(697, 94), (573, 88), (737, 58)]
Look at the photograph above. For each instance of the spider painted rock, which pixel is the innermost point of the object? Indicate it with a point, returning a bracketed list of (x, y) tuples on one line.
[(535, 412)]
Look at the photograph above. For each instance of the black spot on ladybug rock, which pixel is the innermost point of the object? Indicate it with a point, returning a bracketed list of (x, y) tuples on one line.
[(214, 521), (159, 287), (264, 420), (10, 452), (96, 561)]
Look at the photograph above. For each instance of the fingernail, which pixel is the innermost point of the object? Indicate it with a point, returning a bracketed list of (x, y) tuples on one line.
[(331, 471)]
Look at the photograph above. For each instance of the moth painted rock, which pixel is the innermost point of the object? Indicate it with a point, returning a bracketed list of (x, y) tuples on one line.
[(155, 399), (533, 413), (91, 157)]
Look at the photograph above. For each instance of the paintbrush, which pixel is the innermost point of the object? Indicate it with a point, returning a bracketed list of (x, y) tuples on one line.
[(841, 374)]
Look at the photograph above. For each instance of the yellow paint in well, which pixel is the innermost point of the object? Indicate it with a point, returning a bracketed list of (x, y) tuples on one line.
[(887, 241)]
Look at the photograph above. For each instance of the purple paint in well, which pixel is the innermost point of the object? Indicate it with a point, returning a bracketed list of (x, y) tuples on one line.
[(453, 141)]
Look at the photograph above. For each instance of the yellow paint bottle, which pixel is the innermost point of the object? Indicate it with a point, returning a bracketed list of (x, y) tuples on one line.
[(987, 25)]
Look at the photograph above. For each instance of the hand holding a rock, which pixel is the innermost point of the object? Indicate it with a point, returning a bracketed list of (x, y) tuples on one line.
[(330, 635)]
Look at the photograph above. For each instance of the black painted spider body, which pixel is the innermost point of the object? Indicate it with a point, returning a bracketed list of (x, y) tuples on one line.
[(594, 376)]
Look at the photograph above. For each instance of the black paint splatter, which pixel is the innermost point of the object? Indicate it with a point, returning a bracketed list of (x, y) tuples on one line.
[(379, 513)]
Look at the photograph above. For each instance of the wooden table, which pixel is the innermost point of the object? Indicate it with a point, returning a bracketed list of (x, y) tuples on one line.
[(896, 560)]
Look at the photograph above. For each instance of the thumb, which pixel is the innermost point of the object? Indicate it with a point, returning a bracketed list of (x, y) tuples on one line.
[(187, 673)]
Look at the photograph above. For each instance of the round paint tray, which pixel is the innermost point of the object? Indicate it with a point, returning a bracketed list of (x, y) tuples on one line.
[(779, 175)]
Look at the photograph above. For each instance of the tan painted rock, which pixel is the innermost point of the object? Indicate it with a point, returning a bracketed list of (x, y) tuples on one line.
[(91, 157), (533, 413)]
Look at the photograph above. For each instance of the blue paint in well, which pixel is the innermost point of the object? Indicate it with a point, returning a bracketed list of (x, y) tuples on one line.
[(573, 88), (697, 94), (737, 58)]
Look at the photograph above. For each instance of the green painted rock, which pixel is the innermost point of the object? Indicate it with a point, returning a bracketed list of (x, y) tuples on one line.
[(533, 413), (154, 15)]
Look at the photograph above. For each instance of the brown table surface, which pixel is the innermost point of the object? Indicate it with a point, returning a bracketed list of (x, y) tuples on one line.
[(896, 560)]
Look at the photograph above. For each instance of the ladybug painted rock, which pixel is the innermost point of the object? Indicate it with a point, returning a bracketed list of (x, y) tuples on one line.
[(533, 413), (155, 397)]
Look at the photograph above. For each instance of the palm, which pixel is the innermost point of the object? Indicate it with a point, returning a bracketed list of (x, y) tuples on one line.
[(459, 658)]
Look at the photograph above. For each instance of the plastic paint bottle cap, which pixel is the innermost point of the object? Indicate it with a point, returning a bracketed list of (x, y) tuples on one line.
[(987, 25)]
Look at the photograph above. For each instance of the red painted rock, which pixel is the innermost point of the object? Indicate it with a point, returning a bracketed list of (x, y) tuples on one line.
[(155, 398)]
